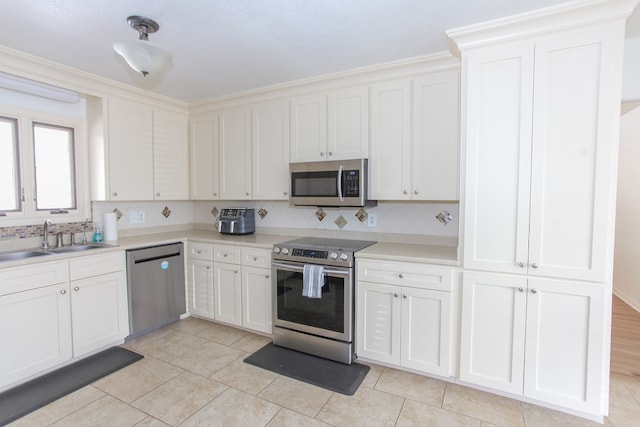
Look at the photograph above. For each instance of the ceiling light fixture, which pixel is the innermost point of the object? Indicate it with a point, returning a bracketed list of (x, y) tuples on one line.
[(142, 55)]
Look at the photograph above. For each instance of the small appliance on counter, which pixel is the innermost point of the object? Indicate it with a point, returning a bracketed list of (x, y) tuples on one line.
[(236, 221)]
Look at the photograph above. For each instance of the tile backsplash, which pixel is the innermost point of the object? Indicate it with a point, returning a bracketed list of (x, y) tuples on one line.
[(411, 222)]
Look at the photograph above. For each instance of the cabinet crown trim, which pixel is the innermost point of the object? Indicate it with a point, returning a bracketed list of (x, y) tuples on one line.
[(540, 21)]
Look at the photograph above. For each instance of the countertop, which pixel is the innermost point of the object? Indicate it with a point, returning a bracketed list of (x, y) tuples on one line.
[(444, 255)]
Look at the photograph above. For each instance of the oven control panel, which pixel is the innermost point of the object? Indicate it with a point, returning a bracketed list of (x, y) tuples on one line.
[(315, 256), (309, 253)]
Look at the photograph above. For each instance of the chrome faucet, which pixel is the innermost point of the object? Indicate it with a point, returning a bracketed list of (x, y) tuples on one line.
[(45, 236), (84, 232)]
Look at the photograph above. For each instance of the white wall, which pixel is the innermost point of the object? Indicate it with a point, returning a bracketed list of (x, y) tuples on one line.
[(626, 272), (631, 73)]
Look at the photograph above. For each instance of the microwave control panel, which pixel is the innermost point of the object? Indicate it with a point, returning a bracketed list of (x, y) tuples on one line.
[(351, 183)]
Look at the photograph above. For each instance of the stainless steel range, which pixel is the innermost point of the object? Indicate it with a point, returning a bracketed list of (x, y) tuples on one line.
[(323, 323)]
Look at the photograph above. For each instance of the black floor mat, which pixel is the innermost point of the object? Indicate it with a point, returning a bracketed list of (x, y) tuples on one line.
[(27, 397), (334, 376)]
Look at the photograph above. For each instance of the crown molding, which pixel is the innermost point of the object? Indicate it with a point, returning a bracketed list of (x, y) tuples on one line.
[(559, 17)]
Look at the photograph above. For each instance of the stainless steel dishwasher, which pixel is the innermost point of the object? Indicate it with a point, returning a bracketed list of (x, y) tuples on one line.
[(155, 282)]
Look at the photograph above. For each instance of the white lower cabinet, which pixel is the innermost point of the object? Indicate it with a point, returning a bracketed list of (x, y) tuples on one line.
[(35, 325), (534, 337), (230, 284), (408, 326), (256, 299), (200, 279), (227, 293), (46, 320)]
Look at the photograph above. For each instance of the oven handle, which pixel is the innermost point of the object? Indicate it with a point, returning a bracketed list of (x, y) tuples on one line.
[(301, 268), (340, 184)]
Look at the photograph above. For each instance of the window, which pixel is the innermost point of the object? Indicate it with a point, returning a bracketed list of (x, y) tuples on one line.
[(54, 159), (9, 166), (43, 167)]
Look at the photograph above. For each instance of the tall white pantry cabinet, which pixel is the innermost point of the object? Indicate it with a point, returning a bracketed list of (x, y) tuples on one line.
[(540, 111)]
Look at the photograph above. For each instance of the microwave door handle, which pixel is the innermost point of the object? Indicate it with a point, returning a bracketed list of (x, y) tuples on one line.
[(340, 184)]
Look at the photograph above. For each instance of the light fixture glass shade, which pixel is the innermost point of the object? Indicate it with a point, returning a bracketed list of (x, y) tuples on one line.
[(142, 55)]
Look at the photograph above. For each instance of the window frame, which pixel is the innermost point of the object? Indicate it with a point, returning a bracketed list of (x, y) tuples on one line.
[(18, 170), (26, 164)]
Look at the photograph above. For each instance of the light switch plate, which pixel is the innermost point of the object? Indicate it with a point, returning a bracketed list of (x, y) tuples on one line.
[(140, 217), (372, 220), (133, 217)]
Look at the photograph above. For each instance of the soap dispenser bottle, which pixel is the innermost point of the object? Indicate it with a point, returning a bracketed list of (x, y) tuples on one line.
[(97, 235)]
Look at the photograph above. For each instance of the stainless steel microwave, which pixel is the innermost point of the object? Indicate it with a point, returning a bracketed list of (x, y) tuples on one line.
[(333, 183)]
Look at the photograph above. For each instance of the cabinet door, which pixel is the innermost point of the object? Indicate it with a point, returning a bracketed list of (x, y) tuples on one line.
[(200, 276), (227, 298), (378, 322), (348, 124), (575, 137), (493, 331), (390, 153), (235, 154), (425, 334), (434, 157), (256, 299), (35, 329), (99, 311), (309, 128), (270, 151), (564, 357), (170, 156), (498, 93), (205, 171), (130, 163)]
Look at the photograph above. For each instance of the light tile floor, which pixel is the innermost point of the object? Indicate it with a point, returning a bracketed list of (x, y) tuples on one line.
[(194, 375)]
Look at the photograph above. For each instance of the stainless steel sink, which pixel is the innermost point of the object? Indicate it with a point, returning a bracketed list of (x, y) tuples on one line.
[(79, 248), (17, 255)]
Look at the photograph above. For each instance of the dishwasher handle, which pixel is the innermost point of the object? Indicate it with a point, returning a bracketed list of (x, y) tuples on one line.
[(154, 258)]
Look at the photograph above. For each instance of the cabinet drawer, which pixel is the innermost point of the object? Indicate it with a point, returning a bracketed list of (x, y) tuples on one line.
[(227, 254), (96, 265), (254, 257), (203, 251), (18, 279), (406, 274)]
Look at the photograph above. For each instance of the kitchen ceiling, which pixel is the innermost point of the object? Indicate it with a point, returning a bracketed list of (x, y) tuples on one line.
[(227, 46)]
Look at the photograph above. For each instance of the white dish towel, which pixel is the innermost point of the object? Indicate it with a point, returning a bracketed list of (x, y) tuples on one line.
[(312, 281)]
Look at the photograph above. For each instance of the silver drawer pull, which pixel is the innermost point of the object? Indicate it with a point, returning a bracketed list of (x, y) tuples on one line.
[(395, 295), (534, 291), (520, 289), (76, 288), (401, 276), (63, 291)]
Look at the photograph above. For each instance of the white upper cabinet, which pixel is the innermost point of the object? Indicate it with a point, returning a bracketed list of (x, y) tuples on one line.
[(348, 124), (390, 151), (270, 151), (170, 156), (137, 152), (331, 126), (434, 156), (205, 184), (541, 144), (309, 128), (129, 163), (235, 154)]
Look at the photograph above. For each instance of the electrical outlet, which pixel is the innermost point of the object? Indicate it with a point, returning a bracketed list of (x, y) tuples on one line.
[(140, 217), (372, 220), (133, 217)]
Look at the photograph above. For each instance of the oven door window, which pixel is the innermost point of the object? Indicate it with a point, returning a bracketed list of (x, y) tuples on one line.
[(326, 313)]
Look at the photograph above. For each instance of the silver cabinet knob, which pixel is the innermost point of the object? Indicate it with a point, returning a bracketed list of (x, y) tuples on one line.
[(215, 194), (246, 194), (76, 288), (322, 153), (401, 276), (266, 276), (395, 295), (404, 296), (114, 194), (534, 291), (285, 193), (520, 289), (235, 271), (157, 194), (208, 267), (521, 264), (255, 258), (330, 153), (416, 192), (225, 255), (534, 265), (64, 291), (405, 192)]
